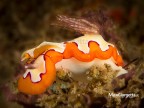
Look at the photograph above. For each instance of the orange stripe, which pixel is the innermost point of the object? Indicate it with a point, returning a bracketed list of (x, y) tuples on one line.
[(72, 50)]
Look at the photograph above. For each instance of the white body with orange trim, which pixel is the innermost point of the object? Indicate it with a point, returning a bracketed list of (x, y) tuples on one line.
[(76, 67)]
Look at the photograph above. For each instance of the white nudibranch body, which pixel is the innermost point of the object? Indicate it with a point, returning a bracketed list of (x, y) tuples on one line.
[(76, 67), (76, 56)]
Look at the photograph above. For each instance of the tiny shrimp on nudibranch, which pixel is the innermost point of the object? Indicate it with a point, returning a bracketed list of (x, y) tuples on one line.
[(76, 56)]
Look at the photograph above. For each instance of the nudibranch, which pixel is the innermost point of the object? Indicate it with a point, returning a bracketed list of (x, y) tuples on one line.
[(76, 56)]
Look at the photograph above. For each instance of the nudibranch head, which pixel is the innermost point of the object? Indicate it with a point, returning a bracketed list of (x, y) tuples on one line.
[(25, 56), (36, 79)]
